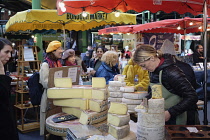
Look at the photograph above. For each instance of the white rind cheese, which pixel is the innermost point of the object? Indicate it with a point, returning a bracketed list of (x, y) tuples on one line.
[(114, 89), (98, 82), (132, 107), (134, 95), (118, 108), (81, 103), (131, 101), (151, 120), (118, 100), (98, 105), (156, 105), (118, 120), (72, 110), (90, 117), (116, 94), (65, 82), (99, 94), (119, 132), (127, 89), (116, 84), (62, 93), (157, 133)]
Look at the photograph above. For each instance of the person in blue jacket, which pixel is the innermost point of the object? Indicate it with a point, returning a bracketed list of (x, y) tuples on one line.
[(108, 68)]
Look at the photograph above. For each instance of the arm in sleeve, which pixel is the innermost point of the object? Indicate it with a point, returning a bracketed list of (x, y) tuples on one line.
[(129, 75), (181, 87), (44, 74), (143, 80)]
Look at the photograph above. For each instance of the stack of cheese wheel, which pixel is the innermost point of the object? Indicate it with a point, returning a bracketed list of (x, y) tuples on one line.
[(131, 98), (89, 104), (118, 122), (151, 120), (115, 95)]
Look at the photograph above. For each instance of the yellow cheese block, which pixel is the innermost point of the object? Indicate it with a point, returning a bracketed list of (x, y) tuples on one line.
[(72, 110), (118, 108), (91, 117), (118, 120), (98, 82), (100, 94), (98, 105), (88, 93), (63, 82), (56, 93), (157, 92), (81, 103)]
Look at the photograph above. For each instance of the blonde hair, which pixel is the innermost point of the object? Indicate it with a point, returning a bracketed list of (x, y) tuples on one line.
[(109, 57), (144, 52)]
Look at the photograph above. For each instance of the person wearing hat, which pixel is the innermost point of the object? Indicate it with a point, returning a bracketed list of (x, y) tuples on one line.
[(52, 60)]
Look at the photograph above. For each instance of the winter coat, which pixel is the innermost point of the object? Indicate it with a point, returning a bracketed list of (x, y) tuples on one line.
[(131, 70), (8, 128), (175, 81), (107, 72)]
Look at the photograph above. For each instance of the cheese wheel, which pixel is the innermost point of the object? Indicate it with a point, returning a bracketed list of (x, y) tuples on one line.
[(118, 120), (62, 93), (99, 94), (116, 94), (140, 95), (116, 84), (127, 89), (131, 102), (72, 110), (119, 100), (156, 105), (114, 89), (119, 132)]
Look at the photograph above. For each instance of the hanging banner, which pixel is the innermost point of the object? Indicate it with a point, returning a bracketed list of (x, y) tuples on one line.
[(156, 39)]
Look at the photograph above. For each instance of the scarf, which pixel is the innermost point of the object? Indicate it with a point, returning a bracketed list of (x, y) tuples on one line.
[(53, 64), (67, 63)]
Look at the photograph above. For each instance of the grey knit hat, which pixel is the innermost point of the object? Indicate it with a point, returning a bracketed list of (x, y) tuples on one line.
[(68, 53)]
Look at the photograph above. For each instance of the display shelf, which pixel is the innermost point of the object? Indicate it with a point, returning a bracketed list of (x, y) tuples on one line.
[(24, 70)]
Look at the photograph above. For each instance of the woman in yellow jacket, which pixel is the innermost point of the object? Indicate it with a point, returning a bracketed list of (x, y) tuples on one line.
[(132, 69)]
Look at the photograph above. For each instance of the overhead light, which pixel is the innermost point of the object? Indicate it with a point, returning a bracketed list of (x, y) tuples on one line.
[(111, 33), (200, 27), (128, 33), (191, 23), (62, 6), (63, 9), (84, 14), (117, 14), (32, 36), (178, 28), (13, 44)]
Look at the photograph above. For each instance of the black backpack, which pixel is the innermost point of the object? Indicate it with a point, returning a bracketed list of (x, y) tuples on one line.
[(35, 89)]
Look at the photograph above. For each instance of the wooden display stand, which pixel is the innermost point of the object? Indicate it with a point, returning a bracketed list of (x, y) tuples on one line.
[(22, 90)]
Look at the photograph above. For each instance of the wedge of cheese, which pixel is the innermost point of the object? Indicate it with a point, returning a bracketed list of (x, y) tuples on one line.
[(65, 82), (81, 103), (91, 117), (98, 82), (118, 108), (98, 105), (157, 92), (72, 110), (62, 93), (99, 94), (118, 120), (119, 132)]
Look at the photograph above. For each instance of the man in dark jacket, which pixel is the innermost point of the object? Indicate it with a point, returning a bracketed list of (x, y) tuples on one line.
[(198, 55)]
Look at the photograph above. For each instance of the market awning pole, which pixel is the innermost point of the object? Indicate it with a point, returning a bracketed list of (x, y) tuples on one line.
[(205, 121), (64, 37)]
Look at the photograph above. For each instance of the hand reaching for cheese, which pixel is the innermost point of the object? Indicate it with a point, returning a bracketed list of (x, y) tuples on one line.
[(167, 116)]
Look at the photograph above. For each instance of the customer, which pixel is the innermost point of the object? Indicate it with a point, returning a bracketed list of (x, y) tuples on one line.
[(108, 67), (80, 62), (8, 128), (198, 55), (90, 50), (178, 93), (131, 70), (86, 59), (99, 51), (92, 60), (54, 53)]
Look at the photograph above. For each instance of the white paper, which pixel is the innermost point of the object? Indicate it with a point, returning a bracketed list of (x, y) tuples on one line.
[(72, 73), (28, 54), (192, 129), (58, 74)]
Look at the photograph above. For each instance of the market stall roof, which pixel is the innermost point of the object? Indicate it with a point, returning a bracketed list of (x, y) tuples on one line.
[(116, 30), (48, 19)]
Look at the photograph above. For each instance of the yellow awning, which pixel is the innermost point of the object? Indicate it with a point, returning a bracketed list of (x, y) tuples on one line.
[(48, 19)]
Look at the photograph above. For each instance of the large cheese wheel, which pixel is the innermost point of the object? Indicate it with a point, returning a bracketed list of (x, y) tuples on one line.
[(132, 107), (116, 84), (131, 102), (119, 100), (147, 133), (118, 120), (138, 95), (127, 89), (156, 105), (114, 89), (116, 94), (99, 94)]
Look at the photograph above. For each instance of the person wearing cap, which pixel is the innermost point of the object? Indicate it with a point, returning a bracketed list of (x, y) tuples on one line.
[(52, 60)]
